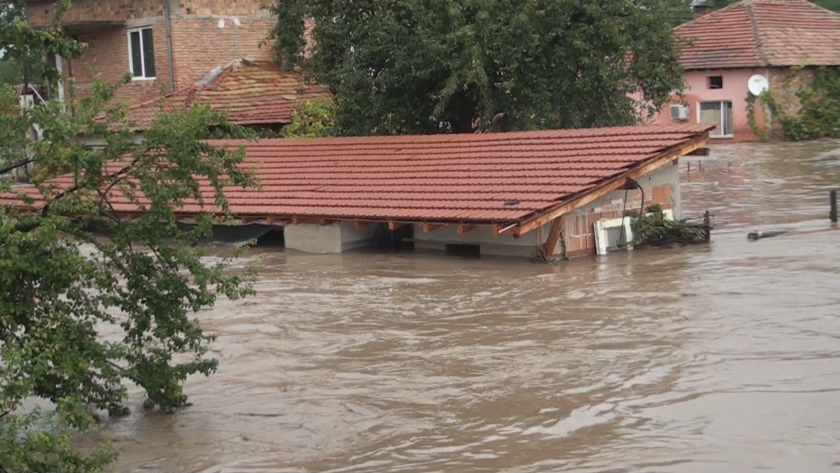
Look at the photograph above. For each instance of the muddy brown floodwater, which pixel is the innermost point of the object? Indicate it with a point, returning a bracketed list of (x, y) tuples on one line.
[(723, 357)]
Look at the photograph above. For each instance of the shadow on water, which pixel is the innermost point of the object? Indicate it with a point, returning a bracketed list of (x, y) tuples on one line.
[(720, 357)]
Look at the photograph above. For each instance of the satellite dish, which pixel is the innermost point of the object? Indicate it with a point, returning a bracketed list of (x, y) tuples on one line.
[(758, 84)]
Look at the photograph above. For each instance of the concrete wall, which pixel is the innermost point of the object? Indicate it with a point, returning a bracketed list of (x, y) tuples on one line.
[(325, 239), (503, 245), (734, 90), (661, 187)]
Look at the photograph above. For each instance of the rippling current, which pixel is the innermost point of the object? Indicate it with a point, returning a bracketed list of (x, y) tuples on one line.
[(721, 357)]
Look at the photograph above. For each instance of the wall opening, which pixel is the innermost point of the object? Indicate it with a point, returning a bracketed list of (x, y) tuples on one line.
[(396, 240), (274, 238), (716, 82), (463, 250)]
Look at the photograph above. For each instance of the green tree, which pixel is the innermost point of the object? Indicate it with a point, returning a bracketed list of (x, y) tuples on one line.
[(430, 66), (9, 72), (312, 119), (71, 270)]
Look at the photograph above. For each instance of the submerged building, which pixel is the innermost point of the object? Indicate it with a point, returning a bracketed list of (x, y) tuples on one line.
[(558, 192)]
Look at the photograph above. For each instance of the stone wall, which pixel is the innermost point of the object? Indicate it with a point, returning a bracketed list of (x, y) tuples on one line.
[(785, 93)]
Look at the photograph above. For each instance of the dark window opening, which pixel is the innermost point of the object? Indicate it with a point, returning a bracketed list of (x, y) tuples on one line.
[(464, 251), (716, 82), (141, 45)]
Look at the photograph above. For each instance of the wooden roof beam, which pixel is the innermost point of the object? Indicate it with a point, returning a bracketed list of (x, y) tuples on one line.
[(611, 185), (430, 227), (462, 229), (360, 224), (395, 225), (312, 221)]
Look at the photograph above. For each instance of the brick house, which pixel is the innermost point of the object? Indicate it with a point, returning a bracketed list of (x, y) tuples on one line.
[(726, 48), (163, 43), (256, 94)]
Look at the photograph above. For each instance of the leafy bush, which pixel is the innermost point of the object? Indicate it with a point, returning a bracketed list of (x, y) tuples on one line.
[(655, 229)]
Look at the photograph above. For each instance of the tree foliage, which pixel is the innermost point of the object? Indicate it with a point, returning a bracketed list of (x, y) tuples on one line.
[(9, 72), (312, 119), (430, 66), (88, 301), (656, 230)]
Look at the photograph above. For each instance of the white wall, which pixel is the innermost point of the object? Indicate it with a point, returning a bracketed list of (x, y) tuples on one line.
[(334, 238)]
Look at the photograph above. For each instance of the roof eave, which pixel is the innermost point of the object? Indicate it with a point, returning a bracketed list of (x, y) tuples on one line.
[(576, 202)]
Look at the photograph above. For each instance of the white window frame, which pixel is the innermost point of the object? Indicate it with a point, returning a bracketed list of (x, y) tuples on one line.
[(604, 224), (142, 57), (721, 102)]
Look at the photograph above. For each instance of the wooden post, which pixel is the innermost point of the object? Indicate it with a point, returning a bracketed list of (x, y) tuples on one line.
[(553, 236), (707, 226), (833, 206)]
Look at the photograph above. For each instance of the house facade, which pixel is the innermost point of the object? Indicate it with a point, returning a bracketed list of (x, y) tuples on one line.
[(164, 44), (757, 40)]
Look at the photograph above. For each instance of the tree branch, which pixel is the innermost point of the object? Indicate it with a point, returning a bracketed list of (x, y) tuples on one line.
[(18, 164)]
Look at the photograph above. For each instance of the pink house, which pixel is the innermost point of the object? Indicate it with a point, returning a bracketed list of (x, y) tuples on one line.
[(726, 48)]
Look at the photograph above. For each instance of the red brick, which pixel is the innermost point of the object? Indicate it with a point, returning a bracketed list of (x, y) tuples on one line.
[(658, 195), (198, 44)]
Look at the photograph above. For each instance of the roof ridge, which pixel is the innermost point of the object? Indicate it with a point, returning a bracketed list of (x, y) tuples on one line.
[(731, 6), (754, 26), (820, 7)]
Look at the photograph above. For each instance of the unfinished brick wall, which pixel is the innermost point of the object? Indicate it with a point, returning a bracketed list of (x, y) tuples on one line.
[(201, 43), (579, 229), (41, 12), (222, 7), (106, 52)]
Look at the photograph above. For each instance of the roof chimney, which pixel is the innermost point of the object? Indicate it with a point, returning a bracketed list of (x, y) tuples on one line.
[(700, 9), (496, 125)]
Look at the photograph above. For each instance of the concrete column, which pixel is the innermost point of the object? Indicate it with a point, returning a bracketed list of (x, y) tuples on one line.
[(334, 238)]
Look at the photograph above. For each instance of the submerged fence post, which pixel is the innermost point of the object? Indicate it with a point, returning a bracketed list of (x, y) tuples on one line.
[(707, 225), (833, 203)]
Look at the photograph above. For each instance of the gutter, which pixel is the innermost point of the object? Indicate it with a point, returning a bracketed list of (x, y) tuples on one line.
[(168, 22)]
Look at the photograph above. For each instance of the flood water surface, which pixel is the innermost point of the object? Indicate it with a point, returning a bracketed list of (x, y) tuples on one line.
[(721, 357)]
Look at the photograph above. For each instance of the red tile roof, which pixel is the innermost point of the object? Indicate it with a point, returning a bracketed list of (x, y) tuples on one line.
[(762, 33), (497, 178), (252, 93)]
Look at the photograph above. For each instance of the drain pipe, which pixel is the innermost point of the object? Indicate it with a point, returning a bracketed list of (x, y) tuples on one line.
[(167, 19)]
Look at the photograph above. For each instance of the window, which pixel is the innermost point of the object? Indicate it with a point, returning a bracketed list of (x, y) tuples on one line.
[(719, 113), (716, 82), (141, 53)]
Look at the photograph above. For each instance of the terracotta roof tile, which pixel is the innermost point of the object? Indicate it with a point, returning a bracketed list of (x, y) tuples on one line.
[(762, 33), (252, 93), (472, 178)]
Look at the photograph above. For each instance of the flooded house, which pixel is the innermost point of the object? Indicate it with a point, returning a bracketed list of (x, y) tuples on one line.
[(744, 49), (550, 193)]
